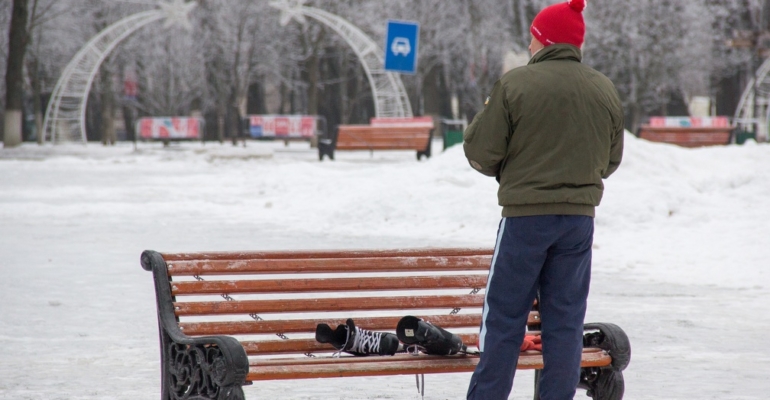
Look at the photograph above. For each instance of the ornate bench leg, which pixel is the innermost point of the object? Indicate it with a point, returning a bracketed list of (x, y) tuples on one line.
[(427, 152), (602, 383), (200, 372), (326, 148), (193, 368), (606, 383)]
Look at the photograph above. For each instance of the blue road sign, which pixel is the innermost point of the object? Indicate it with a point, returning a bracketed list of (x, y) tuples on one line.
[(401, 47)]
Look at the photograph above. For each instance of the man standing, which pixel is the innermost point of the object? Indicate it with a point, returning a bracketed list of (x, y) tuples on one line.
[(550, 132)]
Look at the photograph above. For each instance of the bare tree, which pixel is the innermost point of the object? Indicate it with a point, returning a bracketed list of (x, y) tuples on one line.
[(5, 20), (657, 52), (14, 75)]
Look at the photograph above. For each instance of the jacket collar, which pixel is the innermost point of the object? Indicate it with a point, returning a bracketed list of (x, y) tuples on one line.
[(557, 52)]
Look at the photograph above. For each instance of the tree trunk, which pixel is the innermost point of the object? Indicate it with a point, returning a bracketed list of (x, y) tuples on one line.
[(17, 44), (108, 108), (313, 77), (37, 100)]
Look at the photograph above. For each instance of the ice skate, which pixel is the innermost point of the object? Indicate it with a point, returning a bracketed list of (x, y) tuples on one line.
[(354, 340), (428, 338)]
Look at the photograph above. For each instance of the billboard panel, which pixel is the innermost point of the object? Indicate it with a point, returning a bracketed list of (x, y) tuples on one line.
[(689, 122), (170, 128), (283, 126)]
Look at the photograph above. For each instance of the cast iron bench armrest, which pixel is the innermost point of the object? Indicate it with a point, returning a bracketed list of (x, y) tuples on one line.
[(210, 365)]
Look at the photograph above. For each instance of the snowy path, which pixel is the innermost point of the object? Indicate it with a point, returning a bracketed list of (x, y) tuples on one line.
[(680, 259)]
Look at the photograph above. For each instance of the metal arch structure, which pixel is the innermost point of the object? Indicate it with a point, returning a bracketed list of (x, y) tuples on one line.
[(66, 113), (754, 106), (390, 97)]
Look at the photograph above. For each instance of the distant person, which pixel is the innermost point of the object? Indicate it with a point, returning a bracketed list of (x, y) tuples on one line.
[(549, 132)]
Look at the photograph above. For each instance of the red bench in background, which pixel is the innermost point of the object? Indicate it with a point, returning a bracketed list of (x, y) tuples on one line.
[(688, 131), (382, 134)]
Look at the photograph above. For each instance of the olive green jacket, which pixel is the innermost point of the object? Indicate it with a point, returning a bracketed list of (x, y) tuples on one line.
[(550, 132)]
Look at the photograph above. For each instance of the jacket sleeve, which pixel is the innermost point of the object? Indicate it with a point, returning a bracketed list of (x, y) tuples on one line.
[(486, 140), (616, 146)]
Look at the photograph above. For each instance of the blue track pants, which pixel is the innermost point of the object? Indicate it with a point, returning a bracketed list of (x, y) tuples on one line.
[(550, 254)]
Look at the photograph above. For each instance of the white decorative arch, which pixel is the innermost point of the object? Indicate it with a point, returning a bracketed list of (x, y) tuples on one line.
[(66, 113), (390, 97), (754, 106)]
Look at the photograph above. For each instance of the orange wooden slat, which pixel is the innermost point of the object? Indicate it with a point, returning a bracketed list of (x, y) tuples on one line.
[(277, 255), (326, 304), (329, 265), (588, 352), (362, 146), (328, 285), (309, 325), (382, 130), (381, 146), (267, 347), (395, 136), (354, 137), (401, 365)]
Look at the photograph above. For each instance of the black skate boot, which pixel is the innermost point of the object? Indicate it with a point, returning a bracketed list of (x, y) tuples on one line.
[(428, 338), (357, 341)]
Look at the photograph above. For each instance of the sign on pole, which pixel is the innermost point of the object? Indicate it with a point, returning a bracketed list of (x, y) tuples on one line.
[(401, 46)]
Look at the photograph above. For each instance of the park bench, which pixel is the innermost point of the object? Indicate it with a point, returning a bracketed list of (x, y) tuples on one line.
[(688, 131), (402, 134), (232, 319)]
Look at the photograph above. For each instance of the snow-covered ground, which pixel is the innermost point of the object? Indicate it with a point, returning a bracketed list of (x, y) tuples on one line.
[(680, 261)]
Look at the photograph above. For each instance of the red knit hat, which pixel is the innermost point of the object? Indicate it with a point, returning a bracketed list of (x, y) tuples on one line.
[(560, 23)]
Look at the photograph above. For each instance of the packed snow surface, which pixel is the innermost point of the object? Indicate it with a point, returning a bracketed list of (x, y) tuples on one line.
[(680, 255)]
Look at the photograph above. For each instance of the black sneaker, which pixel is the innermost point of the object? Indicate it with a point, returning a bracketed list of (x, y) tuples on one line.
[(357, 341)]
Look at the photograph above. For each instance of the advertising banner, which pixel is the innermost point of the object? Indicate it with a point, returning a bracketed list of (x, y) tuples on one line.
[(283, 126), (425, 122), (689, 122), (171, 128)]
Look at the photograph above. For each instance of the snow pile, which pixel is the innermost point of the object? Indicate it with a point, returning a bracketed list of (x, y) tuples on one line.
[(680, 258)]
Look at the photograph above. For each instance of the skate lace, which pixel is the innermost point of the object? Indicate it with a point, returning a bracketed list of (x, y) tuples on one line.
[(366, 341)]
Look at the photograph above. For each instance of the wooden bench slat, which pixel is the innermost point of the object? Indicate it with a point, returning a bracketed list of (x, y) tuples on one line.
[(395, 136), (327, 304), (375, 146), (384, 129), (328, 265), (406, 365), (588, 353), (266, 347), (422, 139), (337, 254), (309, 325), (328, 285)]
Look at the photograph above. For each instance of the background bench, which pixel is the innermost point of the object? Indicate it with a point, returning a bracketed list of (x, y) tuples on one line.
[(382, 134), (230, 319), (688, 131)]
